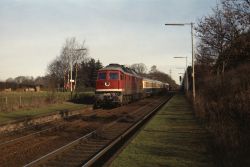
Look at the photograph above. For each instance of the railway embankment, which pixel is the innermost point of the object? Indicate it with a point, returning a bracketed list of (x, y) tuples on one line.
[(173, 137), (13, 121)]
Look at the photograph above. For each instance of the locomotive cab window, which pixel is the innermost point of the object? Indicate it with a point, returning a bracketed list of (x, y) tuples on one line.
[(113, 76), (102, 76)]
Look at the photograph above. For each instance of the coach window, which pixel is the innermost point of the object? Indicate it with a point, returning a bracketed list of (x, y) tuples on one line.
[(113, 76), (102, 76)]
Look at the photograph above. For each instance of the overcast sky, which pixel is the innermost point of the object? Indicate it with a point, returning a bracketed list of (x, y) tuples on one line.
[(32, 32)]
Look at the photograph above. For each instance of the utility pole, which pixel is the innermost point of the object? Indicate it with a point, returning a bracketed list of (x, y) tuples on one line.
[(192, 42), (71, 69)]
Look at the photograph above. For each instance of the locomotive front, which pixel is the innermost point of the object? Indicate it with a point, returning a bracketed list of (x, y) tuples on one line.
[(109, 86)]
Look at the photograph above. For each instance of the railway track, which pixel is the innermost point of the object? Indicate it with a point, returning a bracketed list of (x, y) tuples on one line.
[(87, 149), (35, 130)]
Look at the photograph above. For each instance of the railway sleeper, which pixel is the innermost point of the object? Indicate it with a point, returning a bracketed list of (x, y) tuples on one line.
[(91, 140), (83, 151), (79, 156), (121, 129), (113, 131), (79, 151), (73, 160), (98, 142), (51, 163), (58, 163), (97, 136), (76, 161), (96, 146), (109, 134)]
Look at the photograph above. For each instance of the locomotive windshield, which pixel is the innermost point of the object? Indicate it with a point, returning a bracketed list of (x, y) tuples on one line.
[(113, 76), (102, 75)]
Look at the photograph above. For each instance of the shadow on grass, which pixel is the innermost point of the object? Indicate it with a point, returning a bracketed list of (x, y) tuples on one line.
[(83, 99)]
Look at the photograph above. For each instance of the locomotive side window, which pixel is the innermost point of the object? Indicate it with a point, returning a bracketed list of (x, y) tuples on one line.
[(113, 76), (122, 76), (102, 75)]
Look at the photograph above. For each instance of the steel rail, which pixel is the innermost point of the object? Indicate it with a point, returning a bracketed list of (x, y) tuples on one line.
[(122, 136), (30, 135), (85, 137), (42, 131), (71, 144)]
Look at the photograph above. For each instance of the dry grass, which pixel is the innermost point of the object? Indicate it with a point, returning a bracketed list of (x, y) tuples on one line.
[(12, 101), (32, 112), (224, 103)]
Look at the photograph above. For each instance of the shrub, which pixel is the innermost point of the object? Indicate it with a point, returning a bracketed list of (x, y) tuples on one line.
[(224, 103), (84, 98)]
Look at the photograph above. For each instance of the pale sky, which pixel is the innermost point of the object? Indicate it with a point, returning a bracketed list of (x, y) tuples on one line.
[(32, 32)]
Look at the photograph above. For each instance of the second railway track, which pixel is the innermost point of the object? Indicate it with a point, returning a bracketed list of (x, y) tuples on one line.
[(89, 148)]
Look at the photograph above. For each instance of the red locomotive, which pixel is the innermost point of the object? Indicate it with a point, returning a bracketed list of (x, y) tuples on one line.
[(117, 84)]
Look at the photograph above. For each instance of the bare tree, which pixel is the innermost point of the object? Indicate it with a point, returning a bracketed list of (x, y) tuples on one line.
[(239, 11), (73, 53), (56, 72), (217, 32), (212, 37), (153, 69), (140, 68)]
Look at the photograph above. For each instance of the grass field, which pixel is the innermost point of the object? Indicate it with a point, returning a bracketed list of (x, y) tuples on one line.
[(13, 101), (24, 113), (172, 138)]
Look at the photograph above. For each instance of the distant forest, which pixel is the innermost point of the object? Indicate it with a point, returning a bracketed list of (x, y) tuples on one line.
[(86, 78), (87, 74)]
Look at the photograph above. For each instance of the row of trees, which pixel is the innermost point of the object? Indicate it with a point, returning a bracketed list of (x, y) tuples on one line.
[(222, 79), (21, 82), (73, 64), (153, 73)]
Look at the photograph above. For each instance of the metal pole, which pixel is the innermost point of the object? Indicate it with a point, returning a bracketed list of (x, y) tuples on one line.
[(193, 75), (71, 86), (187, 75), (192, 40)]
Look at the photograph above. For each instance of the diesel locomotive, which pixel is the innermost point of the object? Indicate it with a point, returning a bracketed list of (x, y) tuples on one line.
[(119, 85)]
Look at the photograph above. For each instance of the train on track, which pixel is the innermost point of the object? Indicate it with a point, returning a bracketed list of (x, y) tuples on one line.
[(119, 85)]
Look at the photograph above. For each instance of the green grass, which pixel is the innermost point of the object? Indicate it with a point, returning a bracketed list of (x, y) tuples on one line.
[(17, 100), (24, 113), (172, 138)]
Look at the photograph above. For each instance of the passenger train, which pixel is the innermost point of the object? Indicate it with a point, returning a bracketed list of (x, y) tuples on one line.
[(119, 85)]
